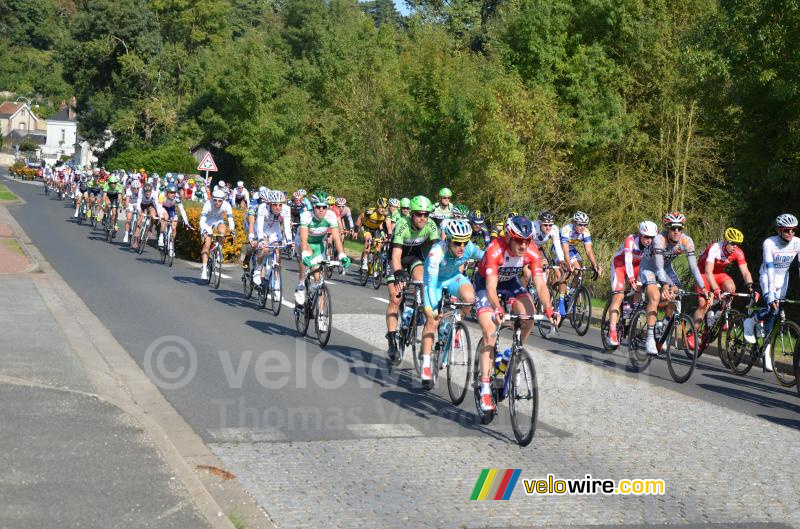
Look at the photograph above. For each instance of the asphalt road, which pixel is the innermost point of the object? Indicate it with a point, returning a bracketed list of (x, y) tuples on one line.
[(253, 372)]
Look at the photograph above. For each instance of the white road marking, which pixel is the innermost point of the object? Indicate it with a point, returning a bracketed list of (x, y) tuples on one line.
[(383, 430), (381, 300)]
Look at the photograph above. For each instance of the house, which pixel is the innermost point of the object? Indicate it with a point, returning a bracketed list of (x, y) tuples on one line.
[(62, 133), (18, 117)]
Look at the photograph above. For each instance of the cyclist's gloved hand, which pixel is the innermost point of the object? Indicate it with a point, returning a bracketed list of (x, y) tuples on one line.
[(717, 293), (307, 259), (749, 287), (345, 260), (595, 274), (401, 276), (498, 315)]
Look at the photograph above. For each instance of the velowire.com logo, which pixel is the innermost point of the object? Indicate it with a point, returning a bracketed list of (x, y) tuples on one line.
[(495, 484)]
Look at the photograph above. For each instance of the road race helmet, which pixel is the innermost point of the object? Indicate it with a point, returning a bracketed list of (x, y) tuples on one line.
[(477, 218), (734, 236), (674, 218), (405, 202), (320, 198), (519, 227), (786, 220), (421, 203), (458, 230), (191, 181), (298, 195), (147, 188), (172, 188), (460, 211), (381, 202), (331, 200), (394, 202), (302, 192), (218, 195), (263, 194), (239, 184), (648, 228), (547, 217), (445, 193), (580, 217), (276, 197), (341, 201)]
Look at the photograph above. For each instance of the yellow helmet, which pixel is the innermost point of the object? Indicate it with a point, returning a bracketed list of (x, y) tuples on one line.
[(382, 202), (331, 200), (734, 236)]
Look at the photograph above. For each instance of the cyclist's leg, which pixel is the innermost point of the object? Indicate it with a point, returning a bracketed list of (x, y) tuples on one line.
[(366, 250), (523, 305), (429, 332), (618, 283)]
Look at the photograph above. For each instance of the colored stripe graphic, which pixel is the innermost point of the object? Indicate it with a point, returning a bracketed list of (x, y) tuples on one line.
[(495, 484)]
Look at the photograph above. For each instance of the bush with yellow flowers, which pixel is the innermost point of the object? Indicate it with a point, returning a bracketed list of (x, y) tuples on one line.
[(187, 242)]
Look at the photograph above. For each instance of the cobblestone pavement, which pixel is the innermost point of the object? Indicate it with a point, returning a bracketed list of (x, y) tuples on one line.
[(720, 466)]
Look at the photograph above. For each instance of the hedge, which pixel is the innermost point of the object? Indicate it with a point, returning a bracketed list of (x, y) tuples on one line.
[(187, 242)]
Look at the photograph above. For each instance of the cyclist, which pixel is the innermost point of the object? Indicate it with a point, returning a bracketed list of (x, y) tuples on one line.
[(412, 239), (713, 262), (442, 270), (779, 252), (394, 211), (111, 200), (81, 193), (571, 234), (240, 195), (256, 200), (544, 230), (375, 224), (655, 269), (444, 208), (146, 206), (625, 266), (405, 207), (95, 194), (505, 258), (169, 208), (213, 215), (273, 227), (133, 196), (480, 232), (299, 205), (344, 215), (314, 227)]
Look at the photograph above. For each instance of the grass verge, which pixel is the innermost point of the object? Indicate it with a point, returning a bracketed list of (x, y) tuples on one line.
[(5, 194)]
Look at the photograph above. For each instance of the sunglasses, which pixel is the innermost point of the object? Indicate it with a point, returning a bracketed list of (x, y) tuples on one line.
[(546, 225), (646, 237), (320, 207), (421, 214), (523, 242), (218, 200), (445, 198), (582, 225), (676, 228), (788, 230), (457, 243), (404, 209)]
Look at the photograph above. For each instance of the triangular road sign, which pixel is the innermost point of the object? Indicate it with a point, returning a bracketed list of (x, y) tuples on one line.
[(207, 164)]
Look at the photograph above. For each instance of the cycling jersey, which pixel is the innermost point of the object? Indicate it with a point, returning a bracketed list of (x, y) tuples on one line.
[(778, 256), (572, 237), (498, 261), (373, 220), (481, 236), (625, 263), (212, 216), (656, 263), (298, 209), (271, 227), (318, 228), (716, 253), (113, 194), (443, 270), (440, 213), (415, 243), (145, 201), (172, 206), (346, 215), (541, 238)]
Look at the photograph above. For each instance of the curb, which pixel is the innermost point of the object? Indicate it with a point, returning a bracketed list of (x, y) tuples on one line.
[(119, 380)]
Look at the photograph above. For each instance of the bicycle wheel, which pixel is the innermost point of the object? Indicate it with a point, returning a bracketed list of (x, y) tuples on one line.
[(416, 340), (739, 354), (681, 351), (604, 328), (544, 325), (797, 369), (217, 277), (784, 344), (581, 315), (377, 272), (170, 251), (486, 416), (143, 238), (163, 252), (301, 318), (328, 271), (323, 316), (247, 284), (363, 276), (81, 214), (459, 364), (637, 337), (523, 397), (276, 292), (262, 295)]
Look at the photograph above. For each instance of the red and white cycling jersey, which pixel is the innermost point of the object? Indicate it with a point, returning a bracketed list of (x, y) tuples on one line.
[(629, 255), (498, 261), (716, 252)]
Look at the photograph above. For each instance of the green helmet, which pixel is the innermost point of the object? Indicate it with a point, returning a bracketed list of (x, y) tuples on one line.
[(320, 198), (421, 203), (445, 192), (113, 179), (405, 202), (460, 210)]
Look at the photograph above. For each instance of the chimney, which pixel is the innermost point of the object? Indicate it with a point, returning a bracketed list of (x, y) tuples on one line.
[(63, 105)]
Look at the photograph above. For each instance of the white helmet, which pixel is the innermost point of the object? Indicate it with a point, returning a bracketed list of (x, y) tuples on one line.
[(648, 228), (458, 230), (263, 194), (276, 197), (135, 184), (221, 183), (239, 184), (580, 217), (219, 194), (786, 220)]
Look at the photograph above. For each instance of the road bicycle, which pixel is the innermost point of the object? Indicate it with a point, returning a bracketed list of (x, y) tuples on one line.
[(628, 308), (215, 260), (519, 384), (330, 255), (782, 340), (544, 325), (147, 222), (82, 211), (376, 264), (578, 302), (95, 212), (270, 287), (133, 218), (675, 337), (317, 305), (168, 248), (110, 222), (717, 320), (411, 322), (452, 349)]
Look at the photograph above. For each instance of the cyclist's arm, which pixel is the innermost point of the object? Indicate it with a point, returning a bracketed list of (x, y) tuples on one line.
[(261, 215), (709, 272), (183, 214), (692, 258), (769, 263), (360, 220), (628, 252), (287, 227), (305, 249), (203, 218), (658, 259), (558, 248), (589, 247), (431, 276), (349, 217), (229, 212)]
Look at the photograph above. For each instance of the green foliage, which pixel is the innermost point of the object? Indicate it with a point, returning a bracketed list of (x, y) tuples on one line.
[(27, 146), (172, 157)]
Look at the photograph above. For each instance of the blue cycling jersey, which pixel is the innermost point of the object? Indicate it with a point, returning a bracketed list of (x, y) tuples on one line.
[(441, 266)]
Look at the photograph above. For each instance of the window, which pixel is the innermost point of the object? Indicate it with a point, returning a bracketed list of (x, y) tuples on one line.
[(63, 135), (22, 126)]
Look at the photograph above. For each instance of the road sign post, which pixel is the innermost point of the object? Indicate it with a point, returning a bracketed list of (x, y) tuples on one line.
[(207, 164)]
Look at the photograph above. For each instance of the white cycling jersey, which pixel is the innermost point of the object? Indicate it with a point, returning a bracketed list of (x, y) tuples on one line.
[(778, 256), (541, 238), (212, 216), (273, 228)]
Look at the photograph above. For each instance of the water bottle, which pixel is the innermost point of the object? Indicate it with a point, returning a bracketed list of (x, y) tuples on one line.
[(444, 331), (760, 329), (501, 362), (626, 310), (713, 316), (659, 327), (408, 312)]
